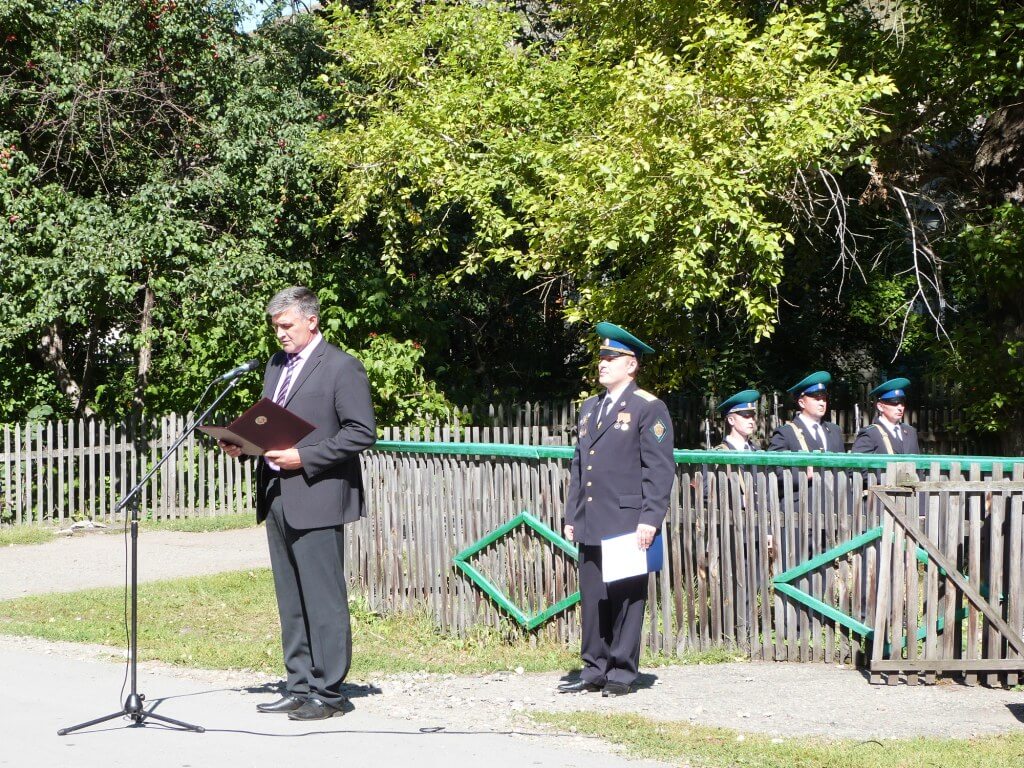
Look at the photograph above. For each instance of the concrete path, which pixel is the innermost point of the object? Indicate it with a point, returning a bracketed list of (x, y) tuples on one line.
[(47, 691), (98, 559), (61, 684)]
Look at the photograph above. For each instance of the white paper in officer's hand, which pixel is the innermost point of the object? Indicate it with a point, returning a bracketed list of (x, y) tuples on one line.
[(622, 558)]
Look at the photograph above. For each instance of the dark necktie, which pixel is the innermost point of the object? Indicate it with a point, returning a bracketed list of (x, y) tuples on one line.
[(282, 393), (818, 436), (898, 442)]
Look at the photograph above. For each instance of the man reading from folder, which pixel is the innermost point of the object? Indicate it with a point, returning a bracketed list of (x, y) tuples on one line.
[(620, 482), (306, 494)]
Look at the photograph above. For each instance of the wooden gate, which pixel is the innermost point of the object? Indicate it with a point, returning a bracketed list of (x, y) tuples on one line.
[(950, 580)]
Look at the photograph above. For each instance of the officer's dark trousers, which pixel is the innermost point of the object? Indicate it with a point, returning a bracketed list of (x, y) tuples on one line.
[(312, 601), (612, 617)]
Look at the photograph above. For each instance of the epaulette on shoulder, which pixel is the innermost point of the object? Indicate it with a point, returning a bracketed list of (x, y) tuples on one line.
[(645, 395)]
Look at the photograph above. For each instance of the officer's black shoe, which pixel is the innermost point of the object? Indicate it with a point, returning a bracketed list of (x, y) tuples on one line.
[(286, 703), (612, 689), (579, 686)]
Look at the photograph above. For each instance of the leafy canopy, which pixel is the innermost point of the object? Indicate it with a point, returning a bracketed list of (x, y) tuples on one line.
[(645, 171)]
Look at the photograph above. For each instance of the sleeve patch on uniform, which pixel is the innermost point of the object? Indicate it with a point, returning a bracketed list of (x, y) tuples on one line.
[(659, 430), (645, 395)]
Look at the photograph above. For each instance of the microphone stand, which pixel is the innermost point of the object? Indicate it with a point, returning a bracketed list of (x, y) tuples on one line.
[(133, 707)]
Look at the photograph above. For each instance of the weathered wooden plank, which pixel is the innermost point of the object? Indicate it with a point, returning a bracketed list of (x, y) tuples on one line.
[(886, 550), (701, 547), (687, 563), (974, 572), (994, 548), (764, 575), (777, 564), (948, 665), (1015, 547)]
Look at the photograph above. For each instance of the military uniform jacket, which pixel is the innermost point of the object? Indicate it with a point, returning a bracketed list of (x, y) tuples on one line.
[(622, 471), (726, 446), (872, 440), (785, 439)]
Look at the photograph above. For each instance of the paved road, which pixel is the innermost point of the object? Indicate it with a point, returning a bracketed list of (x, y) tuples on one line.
[(59, 684), (47, 691), (96, 559)]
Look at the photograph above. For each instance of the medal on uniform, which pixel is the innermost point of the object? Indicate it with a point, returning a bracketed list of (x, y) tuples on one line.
[(622, 421), (583, 425)]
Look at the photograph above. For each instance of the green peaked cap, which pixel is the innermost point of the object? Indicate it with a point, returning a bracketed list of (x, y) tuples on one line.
[(615, 339), (741, 401), (816, 382), (891, 389)]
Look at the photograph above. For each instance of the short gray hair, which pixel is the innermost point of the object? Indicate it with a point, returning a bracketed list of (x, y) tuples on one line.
[(296, 296)]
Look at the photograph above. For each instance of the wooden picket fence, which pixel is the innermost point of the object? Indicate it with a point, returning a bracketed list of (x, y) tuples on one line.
[(748, 563), (730, 534), (59, 472)]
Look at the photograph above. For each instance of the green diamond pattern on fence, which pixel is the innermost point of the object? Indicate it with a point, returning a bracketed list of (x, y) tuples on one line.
[(783, 583), (462, 562)]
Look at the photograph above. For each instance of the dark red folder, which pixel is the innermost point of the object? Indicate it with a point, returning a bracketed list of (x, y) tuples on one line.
[(264, 427)]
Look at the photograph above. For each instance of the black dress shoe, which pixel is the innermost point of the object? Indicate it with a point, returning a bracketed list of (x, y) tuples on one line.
[(612, 689), (579, 686), (286, 703), (314, 709)]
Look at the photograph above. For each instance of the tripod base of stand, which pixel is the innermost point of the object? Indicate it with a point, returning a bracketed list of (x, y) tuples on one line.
[(133, 709)]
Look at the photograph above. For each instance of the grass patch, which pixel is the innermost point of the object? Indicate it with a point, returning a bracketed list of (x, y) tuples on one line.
[(200, 524), (229, 621), (16, 535), (720, 747)]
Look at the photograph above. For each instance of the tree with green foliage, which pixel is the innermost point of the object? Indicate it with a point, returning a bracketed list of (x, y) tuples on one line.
[(155, 190), (923, 234), (640, 163)]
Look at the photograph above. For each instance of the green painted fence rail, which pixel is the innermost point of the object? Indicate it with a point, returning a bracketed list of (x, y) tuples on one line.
[(755, 458)]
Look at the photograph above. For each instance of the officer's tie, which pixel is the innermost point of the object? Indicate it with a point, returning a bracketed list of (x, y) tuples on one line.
[(818, 436), (606, 407), (898, 442)]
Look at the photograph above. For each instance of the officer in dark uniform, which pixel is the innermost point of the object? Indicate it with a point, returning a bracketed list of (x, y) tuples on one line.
[(740, 413), (620, 481), (808, 431), (887, 433)]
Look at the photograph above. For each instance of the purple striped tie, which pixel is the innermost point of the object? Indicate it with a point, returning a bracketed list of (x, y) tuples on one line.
[(282, 393)]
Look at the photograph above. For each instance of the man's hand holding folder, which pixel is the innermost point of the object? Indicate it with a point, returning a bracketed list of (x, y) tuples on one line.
[(267, 430), (625, 556)]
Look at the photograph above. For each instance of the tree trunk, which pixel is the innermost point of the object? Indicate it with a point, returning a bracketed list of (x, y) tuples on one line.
[(145, 351), (51, 346), (1000, 156)]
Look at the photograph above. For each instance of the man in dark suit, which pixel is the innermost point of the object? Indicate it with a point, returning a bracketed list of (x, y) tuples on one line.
[(306, 494), (887, 433), (620, 481)]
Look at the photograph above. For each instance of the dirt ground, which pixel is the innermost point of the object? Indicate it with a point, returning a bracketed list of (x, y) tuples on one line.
[(782, 700)]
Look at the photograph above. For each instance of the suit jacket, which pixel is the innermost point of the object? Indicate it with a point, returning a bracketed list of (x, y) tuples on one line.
[(333, 394), (869, 440), (784, 439), (622, 471)]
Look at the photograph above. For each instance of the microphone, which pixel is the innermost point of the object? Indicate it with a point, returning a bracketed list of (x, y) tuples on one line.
[(248, 365)]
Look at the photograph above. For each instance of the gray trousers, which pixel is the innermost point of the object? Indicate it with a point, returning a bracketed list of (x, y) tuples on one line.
[(312, 601), (612, 617)]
